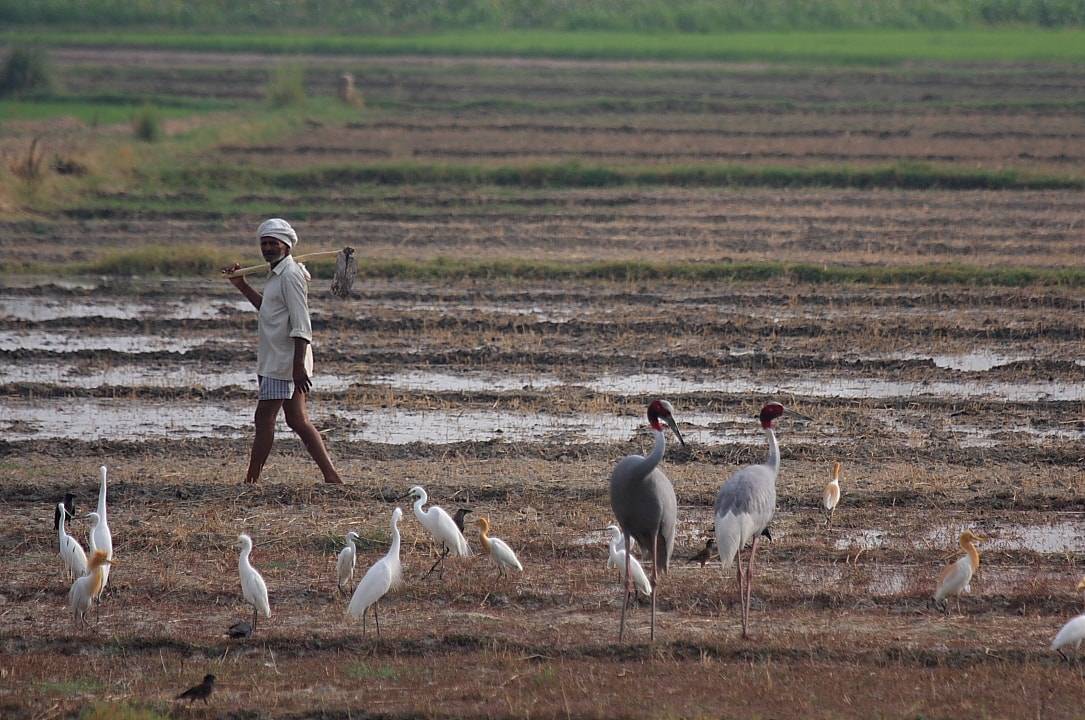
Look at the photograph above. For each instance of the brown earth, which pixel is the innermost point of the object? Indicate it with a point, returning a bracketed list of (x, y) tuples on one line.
[(942, 403)]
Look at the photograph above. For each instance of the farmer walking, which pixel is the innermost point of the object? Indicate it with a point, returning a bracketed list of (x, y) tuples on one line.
[(284, 359)]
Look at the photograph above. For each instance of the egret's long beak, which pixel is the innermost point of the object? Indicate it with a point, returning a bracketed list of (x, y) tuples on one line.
[(406, 494), (674, 427)]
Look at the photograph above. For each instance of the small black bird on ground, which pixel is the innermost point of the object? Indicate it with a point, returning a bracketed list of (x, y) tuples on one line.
[(457, 518), (240, 629), (200, 692), (706, 554), (69, 508)]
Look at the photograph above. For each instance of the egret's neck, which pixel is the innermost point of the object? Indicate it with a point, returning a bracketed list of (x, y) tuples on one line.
[(649, 463), (484, 538), (101, 499), (393, 551), (243, 560), (98, 580), (61, 526), (973, 554), (418, 512), (773, 460)]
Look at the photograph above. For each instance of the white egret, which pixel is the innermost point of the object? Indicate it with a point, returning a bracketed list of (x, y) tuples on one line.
[(101, 537), (830, 496), (71, 552), (86, 588), (500, 552), (440, 525), (1072, 633), (253, 588), (344, 563), (386, 574), (955, 578), (617, 559)]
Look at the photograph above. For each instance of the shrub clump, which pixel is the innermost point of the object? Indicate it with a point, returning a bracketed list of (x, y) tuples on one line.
[(147, 124), (26, 71), (286, 87)]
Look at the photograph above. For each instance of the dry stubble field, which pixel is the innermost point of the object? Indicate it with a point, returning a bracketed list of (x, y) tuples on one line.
[(949, 406)]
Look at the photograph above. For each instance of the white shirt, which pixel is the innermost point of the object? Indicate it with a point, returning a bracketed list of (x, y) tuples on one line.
[(284, 315)]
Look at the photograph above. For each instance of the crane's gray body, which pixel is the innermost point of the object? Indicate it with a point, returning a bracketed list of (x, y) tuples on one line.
[(746, 503), (644, 503), (744, 508)]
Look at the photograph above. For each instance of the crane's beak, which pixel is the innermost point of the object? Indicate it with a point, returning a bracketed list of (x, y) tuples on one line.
[(797, 416), (674, 427)]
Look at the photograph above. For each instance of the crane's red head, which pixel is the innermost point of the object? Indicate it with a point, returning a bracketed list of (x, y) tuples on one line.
[(661, 410), (769, 413)]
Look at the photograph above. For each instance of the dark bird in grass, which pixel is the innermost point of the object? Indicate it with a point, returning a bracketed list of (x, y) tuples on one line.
[(706, 554), (457, 518), (69, 508), (240, 629), (200, 692)]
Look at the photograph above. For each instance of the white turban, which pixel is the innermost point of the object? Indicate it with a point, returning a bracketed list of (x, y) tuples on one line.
[(279, 229)]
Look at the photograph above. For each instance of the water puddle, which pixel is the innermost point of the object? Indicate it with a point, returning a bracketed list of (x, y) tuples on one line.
[(104, 419), (861, 540), (993, 437), (1058, 537), (976, 361), (841, 387), (644, 384), (166, 375), (39, 309), (1053, 534), (67, 342)]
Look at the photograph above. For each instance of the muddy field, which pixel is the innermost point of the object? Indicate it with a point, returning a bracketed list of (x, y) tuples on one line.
[(949, 407)]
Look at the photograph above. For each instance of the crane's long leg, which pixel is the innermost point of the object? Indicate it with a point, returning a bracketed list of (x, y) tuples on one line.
[(749, 586), (377, 618), (443, 556), (628, 588), (655, 563), (741, 578)]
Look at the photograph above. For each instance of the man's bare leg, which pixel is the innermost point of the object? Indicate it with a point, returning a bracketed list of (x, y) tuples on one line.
[(298, 420), (264, 420)]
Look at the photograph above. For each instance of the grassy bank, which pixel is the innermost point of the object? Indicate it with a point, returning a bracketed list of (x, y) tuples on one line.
[(628, 15), (206, 261), (578, 175), (856, 46)]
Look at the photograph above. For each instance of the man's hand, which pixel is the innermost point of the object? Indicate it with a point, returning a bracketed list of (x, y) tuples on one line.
[(301, 380), (238, 282)]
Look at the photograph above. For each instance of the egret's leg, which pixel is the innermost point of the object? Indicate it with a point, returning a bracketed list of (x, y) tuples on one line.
[(1064, 655), (959, 604), (253, 619), (628, 588), (829, 522), (364, 613), (377, 618), (443, 555)]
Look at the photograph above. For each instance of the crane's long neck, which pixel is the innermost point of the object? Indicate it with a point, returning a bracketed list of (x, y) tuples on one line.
[(101, 498), (973, 554), (649, 463), (773, 460)]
